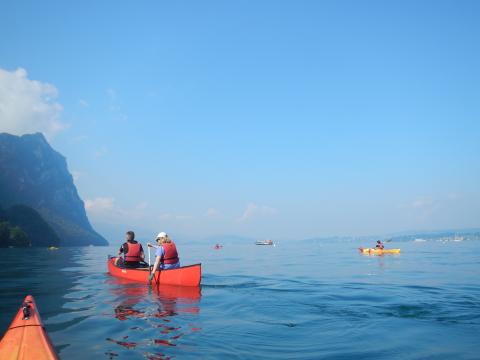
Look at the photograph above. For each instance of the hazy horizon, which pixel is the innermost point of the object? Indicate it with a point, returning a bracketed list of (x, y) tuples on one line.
[(267, 119), (116, 235)]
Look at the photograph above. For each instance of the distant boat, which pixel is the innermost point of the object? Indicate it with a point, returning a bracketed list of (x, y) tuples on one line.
[(458, 238), (420, 240), (264, 242), (218, 246)]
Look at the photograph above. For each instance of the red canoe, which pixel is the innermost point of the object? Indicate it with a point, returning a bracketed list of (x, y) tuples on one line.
[(26, 338), (183, 276)]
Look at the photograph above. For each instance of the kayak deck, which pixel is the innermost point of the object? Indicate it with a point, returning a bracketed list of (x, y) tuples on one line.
[(183, 276), (370, 251), (26, 339)]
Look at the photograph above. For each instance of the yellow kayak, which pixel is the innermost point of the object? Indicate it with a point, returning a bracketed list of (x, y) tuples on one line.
[(378, 251)]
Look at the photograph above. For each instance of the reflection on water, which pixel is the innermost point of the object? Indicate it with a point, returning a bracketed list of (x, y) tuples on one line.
[(88, 313), (152, 311), (35, 272)]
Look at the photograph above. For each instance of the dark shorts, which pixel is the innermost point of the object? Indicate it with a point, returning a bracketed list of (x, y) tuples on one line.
[(121, 263)]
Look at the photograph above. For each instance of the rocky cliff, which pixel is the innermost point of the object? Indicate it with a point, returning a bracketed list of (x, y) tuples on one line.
[(33, 174)]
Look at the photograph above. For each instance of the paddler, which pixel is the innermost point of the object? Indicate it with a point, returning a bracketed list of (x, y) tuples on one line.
[(379, 245), (166, 254), (132, 252)]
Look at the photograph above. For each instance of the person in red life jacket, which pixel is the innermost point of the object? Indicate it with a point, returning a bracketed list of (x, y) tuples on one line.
[(132, 252), (379, 245), (166, 254)]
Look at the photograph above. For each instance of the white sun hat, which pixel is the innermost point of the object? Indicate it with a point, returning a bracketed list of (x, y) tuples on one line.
[(162, 235)]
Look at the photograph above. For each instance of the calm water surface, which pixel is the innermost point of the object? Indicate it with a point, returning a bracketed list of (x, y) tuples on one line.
[(324, 300)]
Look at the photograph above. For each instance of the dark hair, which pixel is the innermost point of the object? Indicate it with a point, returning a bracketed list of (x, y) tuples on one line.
[(131, 234)]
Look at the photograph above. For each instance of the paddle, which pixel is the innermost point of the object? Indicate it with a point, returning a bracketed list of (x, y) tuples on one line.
[(149, 263), (150, 266)]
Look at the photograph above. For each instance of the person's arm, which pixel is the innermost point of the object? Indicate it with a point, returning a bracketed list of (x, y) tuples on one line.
[(156, 265), (155, 268), (142, 253), (120, 251), (158, 259)]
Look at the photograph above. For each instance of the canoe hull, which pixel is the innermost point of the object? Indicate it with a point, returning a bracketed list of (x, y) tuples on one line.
[(369, 251), (184, 276), (27, 339)]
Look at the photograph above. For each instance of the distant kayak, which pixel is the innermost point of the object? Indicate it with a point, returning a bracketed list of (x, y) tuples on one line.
[(26, 339), (53, 248), (218, 247), (183, 276), (370, 251)]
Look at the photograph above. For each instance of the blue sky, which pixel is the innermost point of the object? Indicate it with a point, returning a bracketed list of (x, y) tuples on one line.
[(282, 119)]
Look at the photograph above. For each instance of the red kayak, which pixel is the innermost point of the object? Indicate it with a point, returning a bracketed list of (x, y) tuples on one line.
[(26, 339), (134, 290), (183, 276)]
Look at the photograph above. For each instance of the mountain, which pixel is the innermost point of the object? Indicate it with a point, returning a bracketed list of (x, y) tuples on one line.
[(11, 235), (35, 175), (37, 230)]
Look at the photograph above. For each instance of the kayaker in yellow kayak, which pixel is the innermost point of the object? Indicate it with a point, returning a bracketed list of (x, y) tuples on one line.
[(132, 252), (379, 245), (166, 254)]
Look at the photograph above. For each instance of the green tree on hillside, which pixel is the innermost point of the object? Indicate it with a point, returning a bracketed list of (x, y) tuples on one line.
[(32, 223), (18, 237), (12, 236), (4, 232), (21, 226)]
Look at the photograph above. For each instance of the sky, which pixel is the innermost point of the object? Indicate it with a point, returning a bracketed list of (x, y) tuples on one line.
[(264, 119)]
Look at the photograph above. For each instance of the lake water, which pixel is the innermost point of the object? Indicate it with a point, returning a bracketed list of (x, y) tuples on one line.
[(316, 300)]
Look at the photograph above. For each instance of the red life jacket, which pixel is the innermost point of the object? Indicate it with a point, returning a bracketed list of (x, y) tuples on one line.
[(133, 253), (171, 255)]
